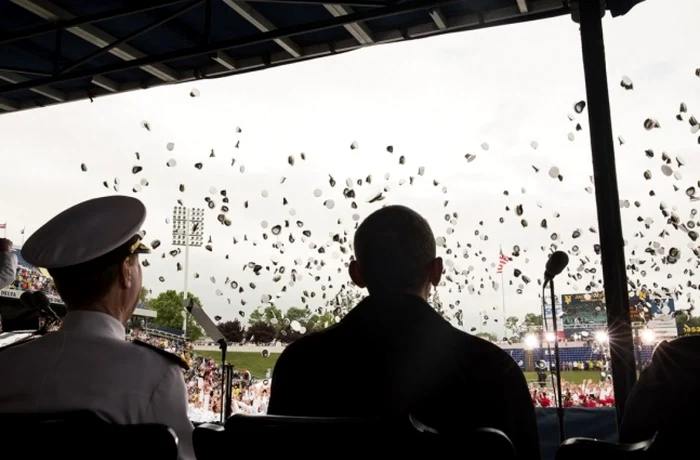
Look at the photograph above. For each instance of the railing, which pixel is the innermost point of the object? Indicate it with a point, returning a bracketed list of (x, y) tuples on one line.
[(165, 331)]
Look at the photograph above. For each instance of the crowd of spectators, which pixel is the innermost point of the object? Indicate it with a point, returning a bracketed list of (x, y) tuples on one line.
[(585, 394), (31, 279), (203, 380), (251, 396)]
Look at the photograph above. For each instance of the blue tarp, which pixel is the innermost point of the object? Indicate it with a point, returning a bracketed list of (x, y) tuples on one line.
[(599, 423)]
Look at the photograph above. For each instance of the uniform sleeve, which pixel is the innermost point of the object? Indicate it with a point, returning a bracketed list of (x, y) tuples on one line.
[(168, 406), (8, 268)]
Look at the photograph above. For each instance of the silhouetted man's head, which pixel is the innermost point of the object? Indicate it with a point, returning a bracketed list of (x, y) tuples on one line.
[(395, 253)]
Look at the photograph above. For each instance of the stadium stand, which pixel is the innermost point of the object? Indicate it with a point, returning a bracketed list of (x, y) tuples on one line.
[(574, 354)]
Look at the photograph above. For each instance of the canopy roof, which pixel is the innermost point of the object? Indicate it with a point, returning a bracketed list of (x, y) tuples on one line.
[(64, 50)]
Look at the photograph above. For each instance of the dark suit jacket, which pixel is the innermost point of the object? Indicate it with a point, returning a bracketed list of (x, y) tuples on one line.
[(397, 355), (665, 397)]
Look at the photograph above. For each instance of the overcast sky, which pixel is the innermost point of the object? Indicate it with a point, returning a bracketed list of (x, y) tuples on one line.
[(487, 93)]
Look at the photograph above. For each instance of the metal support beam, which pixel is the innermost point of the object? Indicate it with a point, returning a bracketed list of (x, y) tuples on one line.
[(545, 9), (225, 60), (43, 90), (94, 35), (359, 31), (142, 6), (350, 3), (522, 6), (106, 83), (438, 18), (7, 105), (248, 13), (137, 33), (607, 202)]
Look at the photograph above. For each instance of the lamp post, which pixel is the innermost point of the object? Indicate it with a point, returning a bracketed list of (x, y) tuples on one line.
[(188, 230)]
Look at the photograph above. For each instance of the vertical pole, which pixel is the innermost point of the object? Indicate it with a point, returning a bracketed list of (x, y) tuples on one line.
[(557, 363), (590, 14), (187, 266), (503, 295)]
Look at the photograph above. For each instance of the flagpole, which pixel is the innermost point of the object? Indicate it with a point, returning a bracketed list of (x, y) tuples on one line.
[(503, 294)]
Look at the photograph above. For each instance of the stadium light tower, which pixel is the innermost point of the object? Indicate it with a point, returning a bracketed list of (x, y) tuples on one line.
[(188, 230)]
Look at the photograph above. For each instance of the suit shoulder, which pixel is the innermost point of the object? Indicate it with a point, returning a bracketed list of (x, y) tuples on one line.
[(308, 347), (482, 345), (490, 355), (170, 357), (686, 342)]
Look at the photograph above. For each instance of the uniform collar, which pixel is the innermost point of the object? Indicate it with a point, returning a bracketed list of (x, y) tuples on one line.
[(93, 323)]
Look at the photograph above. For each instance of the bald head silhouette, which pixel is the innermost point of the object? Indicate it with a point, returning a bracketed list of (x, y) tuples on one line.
[(395, 253)]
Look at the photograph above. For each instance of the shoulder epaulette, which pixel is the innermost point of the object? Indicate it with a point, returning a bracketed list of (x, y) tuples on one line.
[(19, 342), (170, 356)]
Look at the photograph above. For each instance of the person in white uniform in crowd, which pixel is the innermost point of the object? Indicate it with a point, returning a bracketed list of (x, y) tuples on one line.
[(92, 252), (8, 263)]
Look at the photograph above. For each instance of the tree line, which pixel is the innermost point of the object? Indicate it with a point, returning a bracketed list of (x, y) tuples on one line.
[(169, 308), (269, 323), (516, 328), (266, 324)]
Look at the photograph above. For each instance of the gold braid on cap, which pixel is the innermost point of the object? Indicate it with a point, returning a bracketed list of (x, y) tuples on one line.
[(135, 246)]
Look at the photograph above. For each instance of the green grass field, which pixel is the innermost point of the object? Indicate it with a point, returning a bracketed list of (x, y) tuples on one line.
[(257, 365)]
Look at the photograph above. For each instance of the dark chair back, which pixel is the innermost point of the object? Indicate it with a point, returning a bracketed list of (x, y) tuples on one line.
[(670, 444), (351, 436), (82, 435), (589, 449), (209, 441)]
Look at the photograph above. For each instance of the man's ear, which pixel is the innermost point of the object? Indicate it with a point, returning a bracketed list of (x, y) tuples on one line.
[(356, 275), (125, 277), (436, 271)]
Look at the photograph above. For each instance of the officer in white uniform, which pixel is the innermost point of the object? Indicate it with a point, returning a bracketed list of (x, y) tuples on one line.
[(8, 263), (91, 251)]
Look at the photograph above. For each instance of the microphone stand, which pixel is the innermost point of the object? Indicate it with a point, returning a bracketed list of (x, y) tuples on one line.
[(225, 411), (215, 334), (557, 364)]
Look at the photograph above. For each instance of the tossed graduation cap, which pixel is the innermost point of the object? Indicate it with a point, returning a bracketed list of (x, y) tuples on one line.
[(103, 229)]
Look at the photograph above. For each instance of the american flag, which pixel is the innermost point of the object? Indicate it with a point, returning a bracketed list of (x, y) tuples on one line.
[(502, 261)]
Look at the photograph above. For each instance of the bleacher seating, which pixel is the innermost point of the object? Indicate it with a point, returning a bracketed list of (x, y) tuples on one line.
[(351, 436), (571, 354), (82, 435)]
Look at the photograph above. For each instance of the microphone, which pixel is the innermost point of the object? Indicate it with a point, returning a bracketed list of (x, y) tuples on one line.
[(41, 302), (27, 300), (556, 264)]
